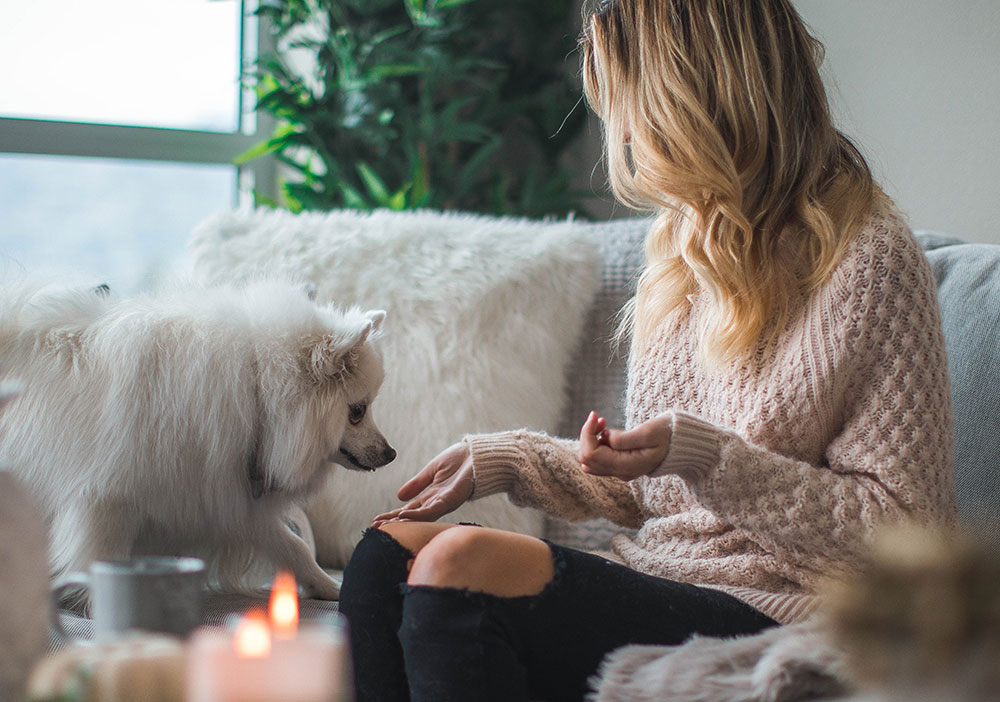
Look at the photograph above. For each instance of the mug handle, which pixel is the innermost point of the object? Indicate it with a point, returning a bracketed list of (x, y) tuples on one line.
[(61, 585)]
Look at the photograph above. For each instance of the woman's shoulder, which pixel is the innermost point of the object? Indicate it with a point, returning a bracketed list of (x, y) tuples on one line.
[(883, 256), (883, 291), (885, 231), (882, 283)]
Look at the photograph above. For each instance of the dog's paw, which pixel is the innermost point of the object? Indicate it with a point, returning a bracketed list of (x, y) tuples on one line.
[(325, 589), (297, 522)]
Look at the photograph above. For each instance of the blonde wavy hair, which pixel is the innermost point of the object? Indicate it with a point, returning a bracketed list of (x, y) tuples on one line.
[(715, 116)]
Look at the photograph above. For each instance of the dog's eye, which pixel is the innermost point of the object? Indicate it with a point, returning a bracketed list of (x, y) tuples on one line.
[(356, 413)]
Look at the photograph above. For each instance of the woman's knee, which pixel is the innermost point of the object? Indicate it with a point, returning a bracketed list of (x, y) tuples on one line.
[(379, 563), (413, 536), (384, 555), (496, 562)]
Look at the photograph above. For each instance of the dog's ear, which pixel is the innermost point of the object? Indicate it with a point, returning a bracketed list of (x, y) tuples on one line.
[(333, 355), (375, 319)]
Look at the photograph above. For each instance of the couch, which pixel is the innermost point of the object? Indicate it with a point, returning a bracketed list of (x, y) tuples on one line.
[(584, 373), (495, 269)]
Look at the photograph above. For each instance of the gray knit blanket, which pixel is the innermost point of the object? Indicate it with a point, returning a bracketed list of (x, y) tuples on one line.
[(793, 663)]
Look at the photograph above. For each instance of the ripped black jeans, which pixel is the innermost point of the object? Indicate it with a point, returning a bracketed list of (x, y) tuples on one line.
[(431, 644)]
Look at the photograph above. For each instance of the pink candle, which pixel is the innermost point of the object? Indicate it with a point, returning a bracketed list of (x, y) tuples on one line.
[(270, 661)]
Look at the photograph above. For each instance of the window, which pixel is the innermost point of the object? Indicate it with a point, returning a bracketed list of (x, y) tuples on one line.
[(98, 220), (118, 132)]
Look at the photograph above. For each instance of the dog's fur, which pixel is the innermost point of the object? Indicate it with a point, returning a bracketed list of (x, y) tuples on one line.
[(190, 421)]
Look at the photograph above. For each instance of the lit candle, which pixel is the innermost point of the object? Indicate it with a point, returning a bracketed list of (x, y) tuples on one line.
[(284, 606), (270, 659)]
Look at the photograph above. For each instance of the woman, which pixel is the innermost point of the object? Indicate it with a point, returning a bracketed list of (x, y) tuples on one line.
[(787, 389)]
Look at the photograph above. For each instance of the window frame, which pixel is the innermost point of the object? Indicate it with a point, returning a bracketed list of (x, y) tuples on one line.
[(50, 137)]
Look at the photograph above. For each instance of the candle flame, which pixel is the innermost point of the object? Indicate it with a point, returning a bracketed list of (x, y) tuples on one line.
[(252, 638), (284, 606)]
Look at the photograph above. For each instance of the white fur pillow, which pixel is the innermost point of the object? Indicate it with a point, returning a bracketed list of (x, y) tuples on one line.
[(484, 315)]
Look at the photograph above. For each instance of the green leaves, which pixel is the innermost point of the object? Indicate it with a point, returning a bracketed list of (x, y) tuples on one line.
[(453, 104), (280, 139), (390, 70), (448, 4)]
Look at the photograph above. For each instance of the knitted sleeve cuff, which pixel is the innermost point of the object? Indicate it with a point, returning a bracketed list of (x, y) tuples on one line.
[(694, 448), (494, 462)]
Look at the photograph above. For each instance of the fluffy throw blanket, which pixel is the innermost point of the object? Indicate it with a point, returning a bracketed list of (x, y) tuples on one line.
[(786, 664)]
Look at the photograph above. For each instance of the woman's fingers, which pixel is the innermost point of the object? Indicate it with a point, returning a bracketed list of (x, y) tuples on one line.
[(588, 433), (440, 468), (440, 487), (386, 517), (592, 435), (643, 436), (628, 455), (597, 455), (430, 512), (623, 454), (418, 483), (608, 461), (602, 427), (602, 461), (424, 510), (651, 434), (394, 513)]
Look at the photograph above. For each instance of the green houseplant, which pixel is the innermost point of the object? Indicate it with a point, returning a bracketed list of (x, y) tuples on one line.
[(449, 104)]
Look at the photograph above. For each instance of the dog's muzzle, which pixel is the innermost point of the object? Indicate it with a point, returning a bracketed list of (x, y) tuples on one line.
[(370, 460)]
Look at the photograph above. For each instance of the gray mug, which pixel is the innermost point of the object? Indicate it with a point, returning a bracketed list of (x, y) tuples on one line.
[(148, 593)]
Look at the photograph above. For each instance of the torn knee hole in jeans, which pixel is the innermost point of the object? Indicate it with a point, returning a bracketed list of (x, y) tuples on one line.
[(486, 598), (388, 538)]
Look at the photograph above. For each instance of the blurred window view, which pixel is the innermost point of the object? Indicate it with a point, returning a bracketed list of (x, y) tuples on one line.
[(85, 205), (124, 223)]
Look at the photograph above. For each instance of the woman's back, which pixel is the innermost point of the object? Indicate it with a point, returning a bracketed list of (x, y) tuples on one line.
[(782, 467)]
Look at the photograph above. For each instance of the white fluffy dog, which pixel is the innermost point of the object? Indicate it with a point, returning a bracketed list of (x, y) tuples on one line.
[(187, 422)]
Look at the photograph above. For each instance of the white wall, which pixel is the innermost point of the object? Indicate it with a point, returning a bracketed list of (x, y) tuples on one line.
[(916, 83)]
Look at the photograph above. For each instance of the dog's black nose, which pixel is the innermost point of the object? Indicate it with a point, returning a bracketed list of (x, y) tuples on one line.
[(389, 455)]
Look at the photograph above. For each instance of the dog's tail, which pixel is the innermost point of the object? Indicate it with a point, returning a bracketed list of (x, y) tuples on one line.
[(33, 308)]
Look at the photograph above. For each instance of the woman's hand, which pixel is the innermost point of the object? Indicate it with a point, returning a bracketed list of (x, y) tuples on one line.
[(442, 486), (623, 454)]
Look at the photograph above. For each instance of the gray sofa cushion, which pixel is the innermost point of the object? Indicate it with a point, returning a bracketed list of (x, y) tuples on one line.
[(596, 376), (968, 278)]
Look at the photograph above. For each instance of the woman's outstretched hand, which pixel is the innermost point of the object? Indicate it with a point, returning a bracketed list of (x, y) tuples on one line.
[(442, 486), (623, 454)]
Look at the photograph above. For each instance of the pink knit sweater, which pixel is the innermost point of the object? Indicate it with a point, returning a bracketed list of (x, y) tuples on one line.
[(781, 469)]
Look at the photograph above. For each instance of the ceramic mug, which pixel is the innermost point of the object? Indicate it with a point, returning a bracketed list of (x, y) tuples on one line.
[(148, 593)]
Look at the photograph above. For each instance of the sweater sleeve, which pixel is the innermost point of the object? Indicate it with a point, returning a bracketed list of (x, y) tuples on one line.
[(537, 470), (890, 458)]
